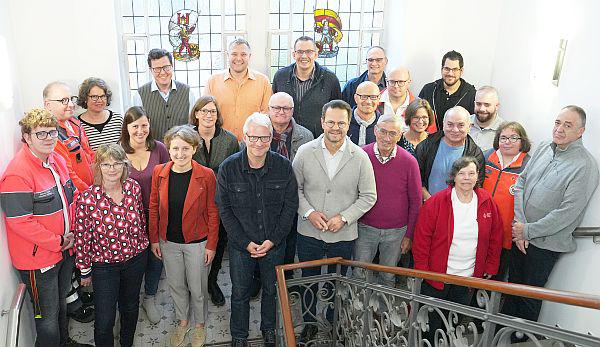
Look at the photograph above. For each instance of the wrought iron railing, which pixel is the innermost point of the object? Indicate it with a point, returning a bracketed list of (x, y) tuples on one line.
[(365, 313)]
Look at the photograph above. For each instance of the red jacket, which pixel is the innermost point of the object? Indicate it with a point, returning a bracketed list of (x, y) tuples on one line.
[(435, 228), (74, 147), (501, 184), (200, 215), (34, 210)]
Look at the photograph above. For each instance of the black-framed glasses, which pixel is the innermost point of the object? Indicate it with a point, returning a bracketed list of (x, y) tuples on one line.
[(396, 83), (117, 166), (453, 70), (375, 60), (208, 112), (65, 101), (385, 133), (98, 97), (330, 124), (263, 139), (42, 135), (166, 68), (305, 51), (365, 97), (281, 108), (511, 139)]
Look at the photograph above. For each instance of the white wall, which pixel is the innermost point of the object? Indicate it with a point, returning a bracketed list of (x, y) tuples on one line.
[(512, 45)]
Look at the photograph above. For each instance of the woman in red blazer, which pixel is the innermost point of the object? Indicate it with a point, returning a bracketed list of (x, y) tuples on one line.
[(183, 229), (458, 232)]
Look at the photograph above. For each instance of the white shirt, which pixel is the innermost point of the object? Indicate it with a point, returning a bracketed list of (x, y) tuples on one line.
[(332, 161), (461, 259), (137, 99), (388, 109)]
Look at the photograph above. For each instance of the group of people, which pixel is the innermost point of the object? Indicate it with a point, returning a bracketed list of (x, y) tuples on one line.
[(271, 172)]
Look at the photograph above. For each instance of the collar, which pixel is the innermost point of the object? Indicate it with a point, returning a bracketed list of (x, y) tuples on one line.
[(341, 149), (385, 97), (572, 146), (249, 74), (246, 165), (154, 86), (493, 126), (361, 121), (312, 75), (37, 160), (392, 155)]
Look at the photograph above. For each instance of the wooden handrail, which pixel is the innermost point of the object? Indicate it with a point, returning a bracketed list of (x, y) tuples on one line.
[(288, 326)]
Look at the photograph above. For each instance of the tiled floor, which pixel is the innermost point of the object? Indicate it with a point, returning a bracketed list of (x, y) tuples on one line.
[(148, 334)]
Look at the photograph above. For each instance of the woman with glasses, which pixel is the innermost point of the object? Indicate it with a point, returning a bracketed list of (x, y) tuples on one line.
[(144, 153), (111, 244), (503, 165), (418, 116), (101, 125), (216, 144), (184, 230)]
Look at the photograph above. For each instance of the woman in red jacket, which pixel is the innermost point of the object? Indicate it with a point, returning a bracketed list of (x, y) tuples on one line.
[(184, 229), (459, 232)]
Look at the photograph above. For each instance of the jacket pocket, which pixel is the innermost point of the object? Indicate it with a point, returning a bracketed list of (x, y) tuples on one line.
[(240, 195), (274, 192)]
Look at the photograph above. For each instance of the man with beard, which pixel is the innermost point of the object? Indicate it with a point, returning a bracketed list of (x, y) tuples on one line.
[(239, 90), (449, 91), (486, 121)]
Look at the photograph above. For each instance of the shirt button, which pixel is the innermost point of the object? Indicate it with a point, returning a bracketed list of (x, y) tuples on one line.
[(328, 191), (258, 195), (259, 211), (260, 226)]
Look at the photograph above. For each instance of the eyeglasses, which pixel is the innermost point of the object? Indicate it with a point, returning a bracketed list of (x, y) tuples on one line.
[(263, 139), (385, 133), (330, 124), (375, 60), (396, 83), (117, 166), (207, 112), (42, 135), (303, 52), (97, 97), (453, 70), (511, 139), (281, 108), (65, 101), (165, 68), (365, 97)]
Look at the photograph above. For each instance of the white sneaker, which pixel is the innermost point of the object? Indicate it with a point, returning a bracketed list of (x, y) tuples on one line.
[(152, 312), (178, 336), (198, 337)]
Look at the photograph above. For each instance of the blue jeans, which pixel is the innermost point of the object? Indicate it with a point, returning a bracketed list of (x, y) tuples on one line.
[(388, 241), (241, 270), (309, 248), (153, 271), (50, 307), (117, 283)]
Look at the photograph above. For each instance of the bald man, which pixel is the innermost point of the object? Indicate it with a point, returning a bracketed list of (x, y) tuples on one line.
[(437, 153), (397, 96), (376, 63), (486, 121), (365, 114)]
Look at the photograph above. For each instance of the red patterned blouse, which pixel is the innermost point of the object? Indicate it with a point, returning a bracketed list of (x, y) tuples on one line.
[(106, 232)]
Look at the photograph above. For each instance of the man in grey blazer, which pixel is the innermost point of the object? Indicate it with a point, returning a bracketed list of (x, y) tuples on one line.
[(336, 186)]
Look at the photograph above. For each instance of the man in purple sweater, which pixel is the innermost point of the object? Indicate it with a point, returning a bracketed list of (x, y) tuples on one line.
[(390, 224)]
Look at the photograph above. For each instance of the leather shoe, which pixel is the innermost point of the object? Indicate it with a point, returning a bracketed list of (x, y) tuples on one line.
[(83, 314), (308, 334), (73, 343), (269, 338), (216, 295), (239, 343)]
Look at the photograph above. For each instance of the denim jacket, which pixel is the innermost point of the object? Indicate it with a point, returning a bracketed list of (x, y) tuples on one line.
[(256, 204)]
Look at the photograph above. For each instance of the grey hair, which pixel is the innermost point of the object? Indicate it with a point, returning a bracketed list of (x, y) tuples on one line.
[(390, 118), (287, 96), (238, 41), (488, 90), (459, 109), (259, 119)]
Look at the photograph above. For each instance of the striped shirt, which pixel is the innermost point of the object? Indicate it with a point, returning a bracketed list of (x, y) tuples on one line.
[(303, 86), (103, 133)]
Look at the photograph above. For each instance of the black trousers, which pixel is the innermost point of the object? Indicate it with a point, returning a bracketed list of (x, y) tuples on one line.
[(532, 269), (450, 292), (221, 246)]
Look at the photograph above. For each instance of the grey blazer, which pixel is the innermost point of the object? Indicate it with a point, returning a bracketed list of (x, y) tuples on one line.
[(351, 193)]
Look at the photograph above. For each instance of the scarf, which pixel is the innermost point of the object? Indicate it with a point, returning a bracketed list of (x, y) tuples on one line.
[(362, 135), (281, 140)]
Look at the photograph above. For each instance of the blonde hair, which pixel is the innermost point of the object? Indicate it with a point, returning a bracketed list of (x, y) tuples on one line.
[(109, 151), (184, 132), (37, 117)]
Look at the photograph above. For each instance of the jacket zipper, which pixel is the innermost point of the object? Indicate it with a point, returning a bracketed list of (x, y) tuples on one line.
[(35, 249), (497, 181)]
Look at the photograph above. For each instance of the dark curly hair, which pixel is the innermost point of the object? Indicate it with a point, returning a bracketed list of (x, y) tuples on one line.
[(87, 85)]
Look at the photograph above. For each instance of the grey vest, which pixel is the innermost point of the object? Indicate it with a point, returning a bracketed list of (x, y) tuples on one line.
[(165, 115)]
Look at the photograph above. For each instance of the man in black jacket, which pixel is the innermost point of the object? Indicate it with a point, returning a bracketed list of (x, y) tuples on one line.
[(449, 91), (257, 195), (437, 153), (310, 84)]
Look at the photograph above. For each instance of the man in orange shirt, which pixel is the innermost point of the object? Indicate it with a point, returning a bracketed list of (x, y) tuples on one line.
[(239, 90)]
